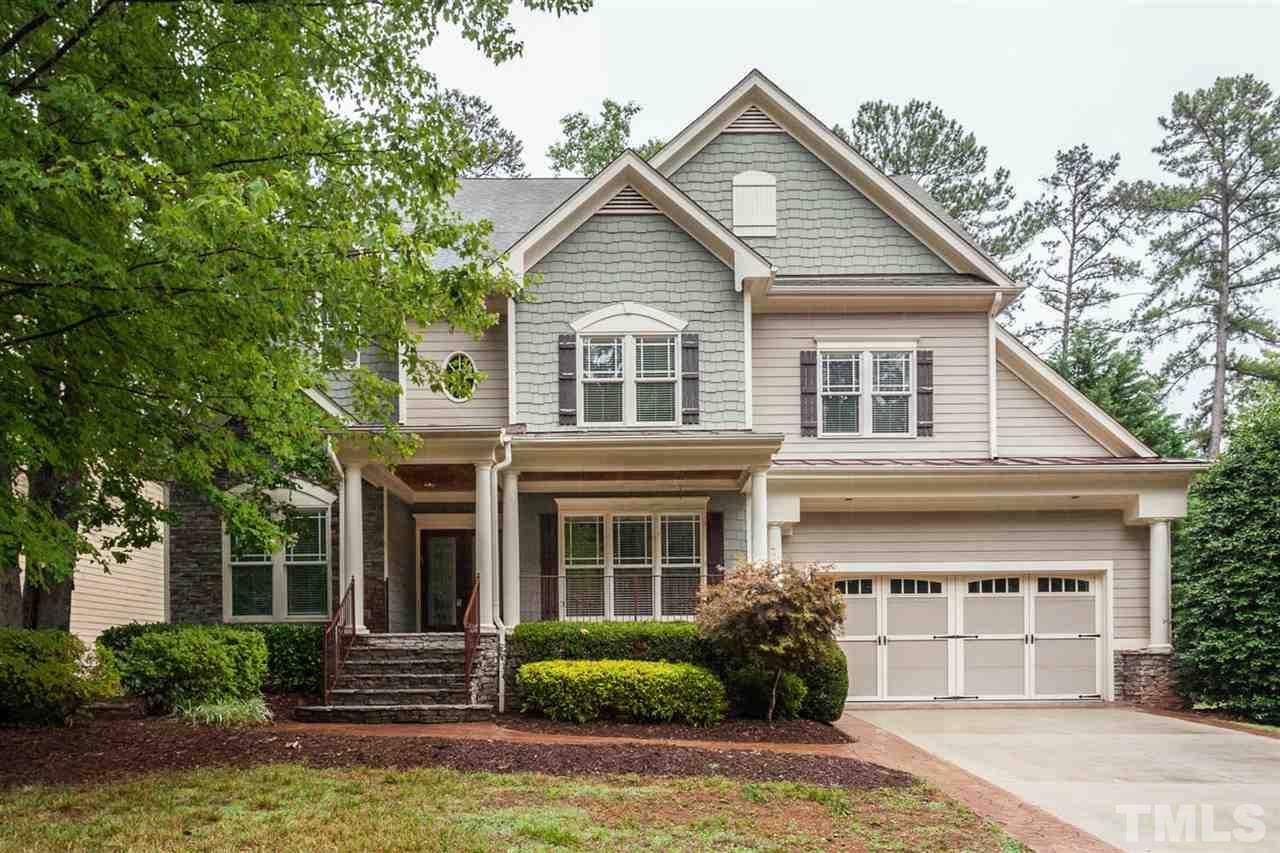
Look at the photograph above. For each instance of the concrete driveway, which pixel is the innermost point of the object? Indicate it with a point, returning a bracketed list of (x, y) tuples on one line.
[(1138, 781)]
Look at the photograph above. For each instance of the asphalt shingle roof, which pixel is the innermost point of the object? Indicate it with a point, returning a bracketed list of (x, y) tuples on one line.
[(513, 205)]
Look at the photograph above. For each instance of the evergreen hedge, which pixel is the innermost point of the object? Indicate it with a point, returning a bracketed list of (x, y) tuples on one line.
[(641, 691)]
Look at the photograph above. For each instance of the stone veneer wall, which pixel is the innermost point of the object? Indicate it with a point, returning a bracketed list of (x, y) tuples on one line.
[(1147, 679), (484, 676)]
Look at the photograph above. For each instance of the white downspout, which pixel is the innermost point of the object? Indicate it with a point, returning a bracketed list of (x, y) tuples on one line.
[(497, 573)]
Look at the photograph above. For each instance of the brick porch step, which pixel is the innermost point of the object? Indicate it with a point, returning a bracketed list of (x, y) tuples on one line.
[(394, 713)]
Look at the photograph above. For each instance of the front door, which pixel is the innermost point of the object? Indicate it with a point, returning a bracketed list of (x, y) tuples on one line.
[(447, 577)]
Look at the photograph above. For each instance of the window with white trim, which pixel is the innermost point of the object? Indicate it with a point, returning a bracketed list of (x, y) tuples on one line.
[(291, 582), (855, 586), (914, 586), (629, 380), (459, 377), (866, 392), (995, 586), (1052, 585)]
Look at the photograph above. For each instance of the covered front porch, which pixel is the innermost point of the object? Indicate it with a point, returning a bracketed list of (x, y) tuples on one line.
[(534, 528)]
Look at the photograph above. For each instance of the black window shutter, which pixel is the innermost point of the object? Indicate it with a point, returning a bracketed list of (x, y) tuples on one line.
[(549, 584), (808, 392), (690, 401), (568, 378), (715, 542), (924, 392)]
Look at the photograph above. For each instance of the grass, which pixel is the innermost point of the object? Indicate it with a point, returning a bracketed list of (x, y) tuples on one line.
[(289, 807), (232, 712)]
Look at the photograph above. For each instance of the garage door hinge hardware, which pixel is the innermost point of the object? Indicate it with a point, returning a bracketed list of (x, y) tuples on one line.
[(955, 697), (955, 636), (1089, 636)]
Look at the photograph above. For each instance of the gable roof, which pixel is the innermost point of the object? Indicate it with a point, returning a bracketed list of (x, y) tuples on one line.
[(513, 205), (630, 170), (900, 203)]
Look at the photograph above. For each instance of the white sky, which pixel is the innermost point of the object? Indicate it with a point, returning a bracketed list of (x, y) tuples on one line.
[(1028, 78)]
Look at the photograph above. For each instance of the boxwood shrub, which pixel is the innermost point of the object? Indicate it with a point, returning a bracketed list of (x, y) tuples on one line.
[(195, 665), (641, 691), (294, 651), (48, 677), (827, 686), (675, 642)]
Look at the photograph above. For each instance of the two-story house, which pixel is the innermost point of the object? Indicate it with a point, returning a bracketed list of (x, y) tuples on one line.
[(755, 345)]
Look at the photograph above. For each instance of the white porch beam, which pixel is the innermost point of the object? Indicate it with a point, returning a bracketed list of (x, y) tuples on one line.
[(1160, 586), (353, 554), (484, 542), (760, 513), (511, 548)]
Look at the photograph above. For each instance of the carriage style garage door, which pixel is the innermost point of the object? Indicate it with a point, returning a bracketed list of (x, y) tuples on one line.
[(1010, 636)]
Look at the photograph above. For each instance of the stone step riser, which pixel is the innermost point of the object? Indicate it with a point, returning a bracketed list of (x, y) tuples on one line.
[(407, 654), (442, 696), (358, 681), (396, 714)]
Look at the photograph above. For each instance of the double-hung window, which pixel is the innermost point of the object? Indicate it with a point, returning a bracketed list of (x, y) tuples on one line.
[(630, 380), (866, 392)]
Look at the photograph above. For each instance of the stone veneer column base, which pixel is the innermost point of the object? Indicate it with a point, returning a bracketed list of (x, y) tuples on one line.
[(1145, 678)]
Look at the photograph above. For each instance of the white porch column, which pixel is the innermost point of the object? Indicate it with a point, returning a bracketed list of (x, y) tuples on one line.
[(775, 542), (760, 514), (1160, 582), (510, 548), (484, 542), (353, 554)]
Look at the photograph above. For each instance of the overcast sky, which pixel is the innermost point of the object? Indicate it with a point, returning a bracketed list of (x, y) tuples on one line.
[(1028, 78)]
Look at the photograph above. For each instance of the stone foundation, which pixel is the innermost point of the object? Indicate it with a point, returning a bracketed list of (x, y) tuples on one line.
[(1146, 678), (484, 674)]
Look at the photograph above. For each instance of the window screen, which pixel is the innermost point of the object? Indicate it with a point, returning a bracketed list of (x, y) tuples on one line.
[(306, 562), (602, 370), (656, 379), (251, 579), (584, 541), (632, 541), (840, 386), (681, 541), (890, 393)]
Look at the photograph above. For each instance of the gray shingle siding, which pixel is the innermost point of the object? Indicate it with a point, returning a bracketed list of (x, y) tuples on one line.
[(825, 226), (646, 259), (375, 359)]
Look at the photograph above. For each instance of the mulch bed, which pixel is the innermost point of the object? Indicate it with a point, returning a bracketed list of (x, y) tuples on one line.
[(117, 749), (782, 731)]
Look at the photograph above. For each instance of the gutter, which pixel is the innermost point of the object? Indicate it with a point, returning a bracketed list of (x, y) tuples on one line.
[(496, 562), (830, 472)]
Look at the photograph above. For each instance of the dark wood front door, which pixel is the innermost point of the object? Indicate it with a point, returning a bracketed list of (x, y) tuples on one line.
[(447, 577)]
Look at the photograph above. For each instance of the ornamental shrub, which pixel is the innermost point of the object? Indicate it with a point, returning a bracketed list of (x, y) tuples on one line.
[(1226, 593), (827, 685), (196, 665), (294, 650), (640, 691), (48, 677), (779, 615), (750, 687), (676, 642)]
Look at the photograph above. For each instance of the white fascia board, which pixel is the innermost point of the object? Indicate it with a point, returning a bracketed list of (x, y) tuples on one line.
[(1082, 411), (878, 187), (631, 169), (331, 408)]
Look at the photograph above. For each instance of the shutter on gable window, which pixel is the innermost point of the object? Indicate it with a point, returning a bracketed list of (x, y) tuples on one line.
[(924, 392), (715, 542), (568, 378), (809, 392), (690, 401)]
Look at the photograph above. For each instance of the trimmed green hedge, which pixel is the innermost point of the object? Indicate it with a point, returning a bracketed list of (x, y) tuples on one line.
[(643, 691), (196, 665), (47, 677), (294, 650), (676, 642), (827, 686)]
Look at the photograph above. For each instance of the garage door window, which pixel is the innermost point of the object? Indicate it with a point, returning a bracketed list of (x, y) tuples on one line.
[(855, 586), (914, 586), (1062, 585), (995, 586)]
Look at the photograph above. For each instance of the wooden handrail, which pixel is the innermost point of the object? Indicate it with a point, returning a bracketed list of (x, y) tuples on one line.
[(470, 637), (338, 637)]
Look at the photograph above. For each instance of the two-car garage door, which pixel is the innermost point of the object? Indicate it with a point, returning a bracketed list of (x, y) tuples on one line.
[(1012, 636)]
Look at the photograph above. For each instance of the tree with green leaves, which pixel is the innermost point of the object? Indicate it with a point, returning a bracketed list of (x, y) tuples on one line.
[(1111, 375), (1090, 222), (1219, 251), (1226, 574), (494, 151), (918, 139), (205, 208), (588, 145)]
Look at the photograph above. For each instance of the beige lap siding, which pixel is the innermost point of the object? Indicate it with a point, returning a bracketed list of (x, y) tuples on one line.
[(945, 537), (961, 393), (489, 405), (1029, 425), (134, 591)]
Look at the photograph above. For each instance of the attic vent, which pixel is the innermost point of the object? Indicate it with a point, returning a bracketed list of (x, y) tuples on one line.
[(753, 120), (628, 201)]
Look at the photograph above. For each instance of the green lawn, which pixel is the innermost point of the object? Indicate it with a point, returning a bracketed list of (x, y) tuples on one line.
[(288, 807)]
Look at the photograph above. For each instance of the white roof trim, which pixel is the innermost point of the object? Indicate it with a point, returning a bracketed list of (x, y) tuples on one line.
[(1082, 411), (624, 314), (630, 168), (879, 188)]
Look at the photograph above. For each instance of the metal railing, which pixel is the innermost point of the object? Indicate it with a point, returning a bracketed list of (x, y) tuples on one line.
[(471, 635), (624, 595), (338, 637)]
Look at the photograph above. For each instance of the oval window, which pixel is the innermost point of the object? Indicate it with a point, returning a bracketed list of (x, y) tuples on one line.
[(459, 377)]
